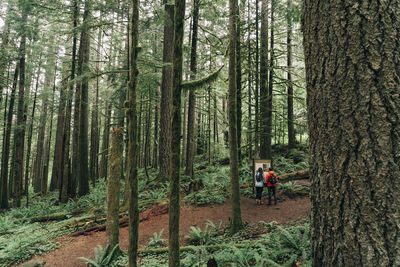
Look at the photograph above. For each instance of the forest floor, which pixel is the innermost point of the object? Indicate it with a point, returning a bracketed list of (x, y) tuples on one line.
[(155, 219)]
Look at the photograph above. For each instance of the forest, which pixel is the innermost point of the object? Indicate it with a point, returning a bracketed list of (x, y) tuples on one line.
[(132, 133)]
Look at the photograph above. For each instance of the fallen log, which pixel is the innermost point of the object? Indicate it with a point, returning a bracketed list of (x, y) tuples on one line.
[(298, 175), (47, 217)]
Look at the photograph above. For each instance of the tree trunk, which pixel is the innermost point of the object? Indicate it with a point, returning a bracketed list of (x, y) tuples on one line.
[(114, 168), (68, 183), (250, 143), (174, 203), (106, 140), (58, 162), (257, 90), (94, 132), (132, 137), (7, 141), (21, 118), (83, 67), (30, 133), (291, 134), (155, 140), (190, 146), (166, 93), (239, 79), (265, 145), (352, 70), (236, 223), (269, 105)]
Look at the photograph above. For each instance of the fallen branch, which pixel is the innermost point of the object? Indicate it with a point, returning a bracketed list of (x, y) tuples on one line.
[(48, 217), (299, 175)]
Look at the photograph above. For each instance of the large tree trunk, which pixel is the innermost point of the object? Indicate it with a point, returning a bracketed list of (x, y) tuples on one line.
[(115, 164), (166, 93), (133, 137), (21, 118), (7, 141), (192, 96), (83, 67), (291, 134), (94, 132), (68, 183), (265, 140), (58, 162), (233, 144), (239, 11), (257, 90), (174, 203), (353, 99), (270, 86)]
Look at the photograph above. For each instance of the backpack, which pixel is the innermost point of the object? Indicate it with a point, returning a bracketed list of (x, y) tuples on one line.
[(272, 178), (258, 177)]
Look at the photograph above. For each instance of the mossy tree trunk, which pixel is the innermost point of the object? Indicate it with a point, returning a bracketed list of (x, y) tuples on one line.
[(114, 175), (133, 137), (190, 146), (174, 203), (83, 67), (265, 140), (236, 223), (353, 96), (291, 133), (166, 93)]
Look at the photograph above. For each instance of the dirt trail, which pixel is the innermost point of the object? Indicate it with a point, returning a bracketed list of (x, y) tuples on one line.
[(285, 211)]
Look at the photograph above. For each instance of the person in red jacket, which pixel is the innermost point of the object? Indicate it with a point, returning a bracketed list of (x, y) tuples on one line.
[(271, 179)]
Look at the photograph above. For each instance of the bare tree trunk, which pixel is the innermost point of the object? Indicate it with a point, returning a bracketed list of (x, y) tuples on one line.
[(7, 141), (94, 132), (236, 223), (106, 139), (257, 89), (192, 96), (132, 138), (21, 117), (353, 102), (84, 53), (291, 134), (155, 140), (269, 105), (166, 93), (114, 168)]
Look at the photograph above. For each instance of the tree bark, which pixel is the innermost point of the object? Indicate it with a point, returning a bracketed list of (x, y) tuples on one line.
[(7, 141), (83, 67), (114, 175), (236, 224), (133, 137), (106, 140), (19, 138), (174, 202), (291, 134), (269, 105), (166, 92), (352, 70), (190, 146), (265, 144), (257, 88)]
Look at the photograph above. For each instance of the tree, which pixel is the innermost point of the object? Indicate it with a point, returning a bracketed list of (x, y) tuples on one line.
[(352, 69), (133, 136), (115, 165), (265, 139), (233, 142), (83, 67), (166, 92), (174, 202), (19, 138), (192, 95)]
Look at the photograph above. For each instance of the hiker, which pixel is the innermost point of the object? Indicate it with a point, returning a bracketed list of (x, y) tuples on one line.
[(259, 179), (271, 181)]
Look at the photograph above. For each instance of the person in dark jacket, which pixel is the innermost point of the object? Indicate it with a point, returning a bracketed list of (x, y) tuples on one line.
[(259, 179), (271, 180)]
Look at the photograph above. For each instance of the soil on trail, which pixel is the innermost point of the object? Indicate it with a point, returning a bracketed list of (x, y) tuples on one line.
[(156, 218)]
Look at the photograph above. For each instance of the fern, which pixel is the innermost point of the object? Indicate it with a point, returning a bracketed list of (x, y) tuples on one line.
[(102, 258)]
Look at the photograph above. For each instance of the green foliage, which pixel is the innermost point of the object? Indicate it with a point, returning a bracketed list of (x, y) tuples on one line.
[(285, 165), (156, 241), (197, 236), (101, 256)]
